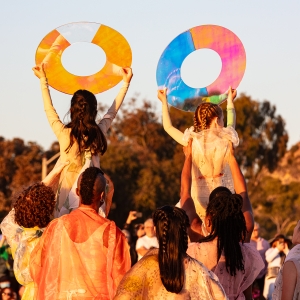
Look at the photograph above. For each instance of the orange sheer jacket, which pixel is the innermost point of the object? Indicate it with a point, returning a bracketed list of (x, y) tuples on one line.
[(80, 255)]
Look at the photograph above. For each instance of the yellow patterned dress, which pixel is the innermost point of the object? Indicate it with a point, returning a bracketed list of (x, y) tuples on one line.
[(22, 241)]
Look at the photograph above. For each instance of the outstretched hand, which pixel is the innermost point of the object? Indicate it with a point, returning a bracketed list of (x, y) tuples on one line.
[(127, 74), (231, 94), (162, 95), (39, 71)]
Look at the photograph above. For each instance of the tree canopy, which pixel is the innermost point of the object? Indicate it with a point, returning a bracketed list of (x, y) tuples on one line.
[(145, 163)]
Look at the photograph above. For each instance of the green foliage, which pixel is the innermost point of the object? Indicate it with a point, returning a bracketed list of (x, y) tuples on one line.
[(263, 138), (276, 205), (20, 166), (145, 163)]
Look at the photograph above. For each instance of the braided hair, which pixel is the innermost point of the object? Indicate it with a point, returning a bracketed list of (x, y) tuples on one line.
[(87, 184), (171, 230), (204, 115), (83, 126), (228, 226)]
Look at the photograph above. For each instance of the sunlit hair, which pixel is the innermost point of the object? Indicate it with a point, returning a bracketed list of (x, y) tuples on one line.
[(171, 230), (34, 206), (87, 183), (83, 125), (228, 226), (204, 115)]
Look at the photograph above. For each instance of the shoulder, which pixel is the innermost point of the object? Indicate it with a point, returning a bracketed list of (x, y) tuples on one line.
[(251, 256)]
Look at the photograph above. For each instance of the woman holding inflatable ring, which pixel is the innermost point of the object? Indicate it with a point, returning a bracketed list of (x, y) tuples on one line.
[(82, 140)]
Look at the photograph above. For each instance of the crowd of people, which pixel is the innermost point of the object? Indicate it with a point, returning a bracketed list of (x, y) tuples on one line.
[(206, 247)]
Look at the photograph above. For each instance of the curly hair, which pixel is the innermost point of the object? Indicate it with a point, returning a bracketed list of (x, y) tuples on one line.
[(171, 230), (204, 115), (228, 226), (87, 184), (34, 206), (83, 126)]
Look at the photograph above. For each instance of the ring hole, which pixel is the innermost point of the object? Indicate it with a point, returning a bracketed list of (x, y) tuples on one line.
[(83, 59), (201, 68)]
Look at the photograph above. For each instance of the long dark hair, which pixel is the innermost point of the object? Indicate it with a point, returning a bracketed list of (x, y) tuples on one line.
[(171, 230), (228, 225), (83, 126)]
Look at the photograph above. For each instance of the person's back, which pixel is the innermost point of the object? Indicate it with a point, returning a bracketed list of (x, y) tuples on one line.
[(222, 251), (87, 256), (233, 285), (168, 272), (199, 282)]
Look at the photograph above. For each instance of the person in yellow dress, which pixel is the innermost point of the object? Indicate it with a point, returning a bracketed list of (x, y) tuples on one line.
[(25, 223)]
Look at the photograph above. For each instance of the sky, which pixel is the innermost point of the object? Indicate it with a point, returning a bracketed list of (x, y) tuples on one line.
[(269, 31)]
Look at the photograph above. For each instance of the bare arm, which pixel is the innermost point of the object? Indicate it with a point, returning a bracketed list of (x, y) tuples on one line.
[(176, 134), (231, 116), (105, 123), (241, 188), (142, 251), (186, 201), (289, 279)]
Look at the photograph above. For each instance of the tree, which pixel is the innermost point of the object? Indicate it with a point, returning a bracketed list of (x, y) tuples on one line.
[(143, 161), (20, 166), (263, 138)]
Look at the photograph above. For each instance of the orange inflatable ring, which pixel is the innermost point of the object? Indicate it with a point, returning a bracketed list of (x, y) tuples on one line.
[(115, 46)]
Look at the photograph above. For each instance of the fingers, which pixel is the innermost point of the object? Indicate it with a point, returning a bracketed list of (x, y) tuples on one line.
[(127, 74)]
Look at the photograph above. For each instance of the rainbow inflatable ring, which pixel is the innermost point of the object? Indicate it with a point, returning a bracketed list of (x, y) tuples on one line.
[(217, 38)]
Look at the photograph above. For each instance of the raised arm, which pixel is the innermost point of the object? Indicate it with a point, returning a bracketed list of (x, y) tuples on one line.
[(105, 123), (186, 201), (231, 115), (53, 118), (176, 134), (241, 188)]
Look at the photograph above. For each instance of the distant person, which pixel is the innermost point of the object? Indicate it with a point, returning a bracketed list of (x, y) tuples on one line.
[(261, 245), (168, 272), (275, 257), (82, 140), (7, 294), (287, 284), (132, 233), (87, 256), (148, 241)]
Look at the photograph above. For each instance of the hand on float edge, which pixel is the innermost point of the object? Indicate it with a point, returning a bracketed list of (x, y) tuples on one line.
[(162, 95), (127, 74), (231, 94), (39, 71)]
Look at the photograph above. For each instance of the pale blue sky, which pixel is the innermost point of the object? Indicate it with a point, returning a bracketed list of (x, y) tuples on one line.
[(269, 31)]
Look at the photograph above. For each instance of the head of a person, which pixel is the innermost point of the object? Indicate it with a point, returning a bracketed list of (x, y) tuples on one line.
[(91, 187), (149, 228), (84, 129), (208, 115), (225, 220), (34, 206), (255, 232), (7, 293), (296, 234), (279, 239), (171, 225), (139, 230)]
